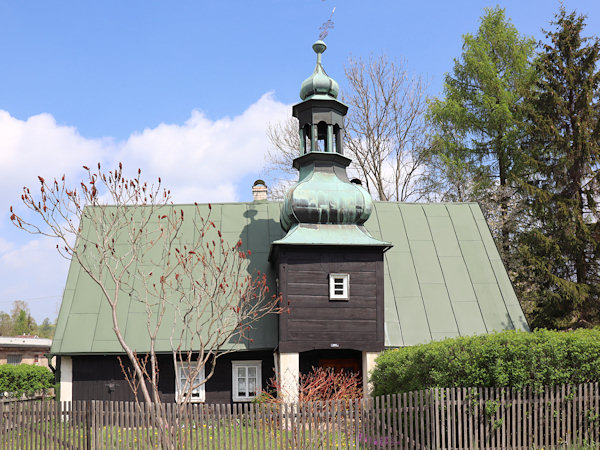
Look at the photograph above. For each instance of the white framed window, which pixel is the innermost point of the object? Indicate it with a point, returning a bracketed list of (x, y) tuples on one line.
[(184, 372), (14, 360), (339, 286), (246, 380)]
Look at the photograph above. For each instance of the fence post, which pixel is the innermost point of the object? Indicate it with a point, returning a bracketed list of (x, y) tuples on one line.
[(86, 425)]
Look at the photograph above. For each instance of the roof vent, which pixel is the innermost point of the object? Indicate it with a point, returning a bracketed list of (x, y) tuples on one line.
[(356, 181), (259, 190)]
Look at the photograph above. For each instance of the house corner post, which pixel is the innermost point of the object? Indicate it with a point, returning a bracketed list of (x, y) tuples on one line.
[(289, 376), (66, 379), (368, 364)]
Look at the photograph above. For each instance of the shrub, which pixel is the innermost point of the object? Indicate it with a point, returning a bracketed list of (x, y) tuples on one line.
[(319, 384), (510, 358), (24, 379)]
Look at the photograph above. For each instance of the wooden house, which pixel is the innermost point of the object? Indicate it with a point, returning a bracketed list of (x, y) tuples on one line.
[(359, 276)]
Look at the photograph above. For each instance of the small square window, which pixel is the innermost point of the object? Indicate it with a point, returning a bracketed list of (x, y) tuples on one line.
[(339, 286), (185, 371), (246, 381)]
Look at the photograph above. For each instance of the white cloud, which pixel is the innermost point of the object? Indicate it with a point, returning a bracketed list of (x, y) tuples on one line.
[(200, 160), (34, 272), (39, 146), (5, 245)]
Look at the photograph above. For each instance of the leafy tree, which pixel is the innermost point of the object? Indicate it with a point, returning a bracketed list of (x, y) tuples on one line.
[(23, 324), (46, 329), (6, 324), (479, 120), (21, 321), (561, 248)]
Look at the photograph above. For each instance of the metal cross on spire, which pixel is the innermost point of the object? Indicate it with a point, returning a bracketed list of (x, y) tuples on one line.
[(328, 25)]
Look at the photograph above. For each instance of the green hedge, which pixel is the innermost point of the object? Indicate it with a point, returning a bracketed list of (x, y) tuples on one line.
[(24, 379), (509, 358)]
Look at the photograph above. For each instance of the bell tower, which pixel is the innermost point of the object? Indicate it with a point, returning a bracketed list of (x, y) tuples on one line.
[(330, 269), (320, 115)]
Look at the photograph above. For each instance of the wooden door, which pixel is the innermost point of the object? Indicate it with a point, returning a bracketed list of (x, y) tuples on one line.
[(341, 364)]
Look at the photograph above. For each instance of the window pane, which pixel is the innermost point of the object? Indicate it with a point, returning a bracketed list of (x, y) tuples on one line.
[(246, 380), (185, 372), (242, 387)]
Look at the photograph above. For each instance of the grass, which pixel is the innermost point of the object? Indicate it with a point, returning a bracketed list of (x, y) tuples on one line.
[(223, 435)]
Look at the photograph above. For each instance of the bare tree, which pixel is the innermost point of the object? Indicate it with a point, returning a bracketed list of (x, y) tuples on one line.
[(386, 134), (129, 239), (285, 140)]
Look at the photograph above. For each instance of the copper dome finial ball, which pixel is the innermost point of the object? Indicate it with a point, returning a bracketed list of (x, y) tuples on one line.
[(319, 85), (319, 47)]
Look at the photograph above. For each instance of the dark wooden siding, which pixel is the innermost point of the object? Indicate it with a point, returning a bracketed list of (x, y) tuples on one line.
[(314, 321), (99, 377)]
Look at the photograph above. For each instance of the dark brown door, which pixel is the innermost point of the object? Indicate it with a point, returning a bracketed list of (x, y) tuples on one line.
[(341, 364)]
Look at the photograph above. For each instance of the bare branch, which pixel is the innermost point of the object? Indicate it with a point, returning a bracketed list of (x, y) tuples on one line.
[(126, 235), (386, 133)]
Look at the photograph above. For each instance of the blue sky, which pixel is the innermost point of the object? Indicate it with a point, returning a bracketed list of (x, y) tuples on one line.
[(185, 89)]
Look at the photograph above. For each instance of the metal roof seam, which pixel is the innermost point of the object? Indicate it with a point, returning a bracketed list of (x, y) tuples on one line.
[(417, 275), (487, 330), (443, 276), (390, 275), (494, 272), (387, 269)]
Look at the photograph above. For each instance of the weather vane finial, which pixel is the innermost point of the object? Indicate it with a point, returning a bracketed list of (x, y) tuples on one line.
[(326, 26)]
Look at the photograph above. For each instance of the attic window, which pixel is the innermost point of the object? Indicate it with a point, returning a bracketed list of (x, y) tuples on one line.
[(339, 286)]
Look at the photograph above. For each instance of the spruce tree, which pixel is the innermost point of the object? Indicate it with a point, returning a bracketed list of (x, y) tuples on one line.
[(561, 247)]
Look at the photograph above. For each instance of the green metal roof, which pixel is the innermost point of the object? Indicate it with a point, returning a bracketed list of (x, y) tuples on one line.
[(443, 278), (329, 234)]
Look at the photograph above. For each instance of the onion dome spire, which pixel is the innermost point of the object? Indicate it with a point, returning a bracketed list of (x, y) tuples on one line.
[(319, 84), (323, 193), (324, 207)]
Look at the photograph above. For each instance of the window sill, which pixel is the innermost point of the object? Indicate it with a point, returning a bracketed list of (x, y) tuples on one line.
[(244, 399)]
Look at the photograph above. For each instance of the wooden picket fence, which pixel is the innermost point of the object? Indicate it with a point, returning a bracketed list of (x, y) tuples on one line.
[(453, 418)]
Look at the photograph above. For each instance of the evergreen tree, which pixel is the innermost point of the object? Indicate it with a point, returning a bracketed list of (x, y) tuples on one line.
[(24, 324), (479, 122), (561, 248)]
